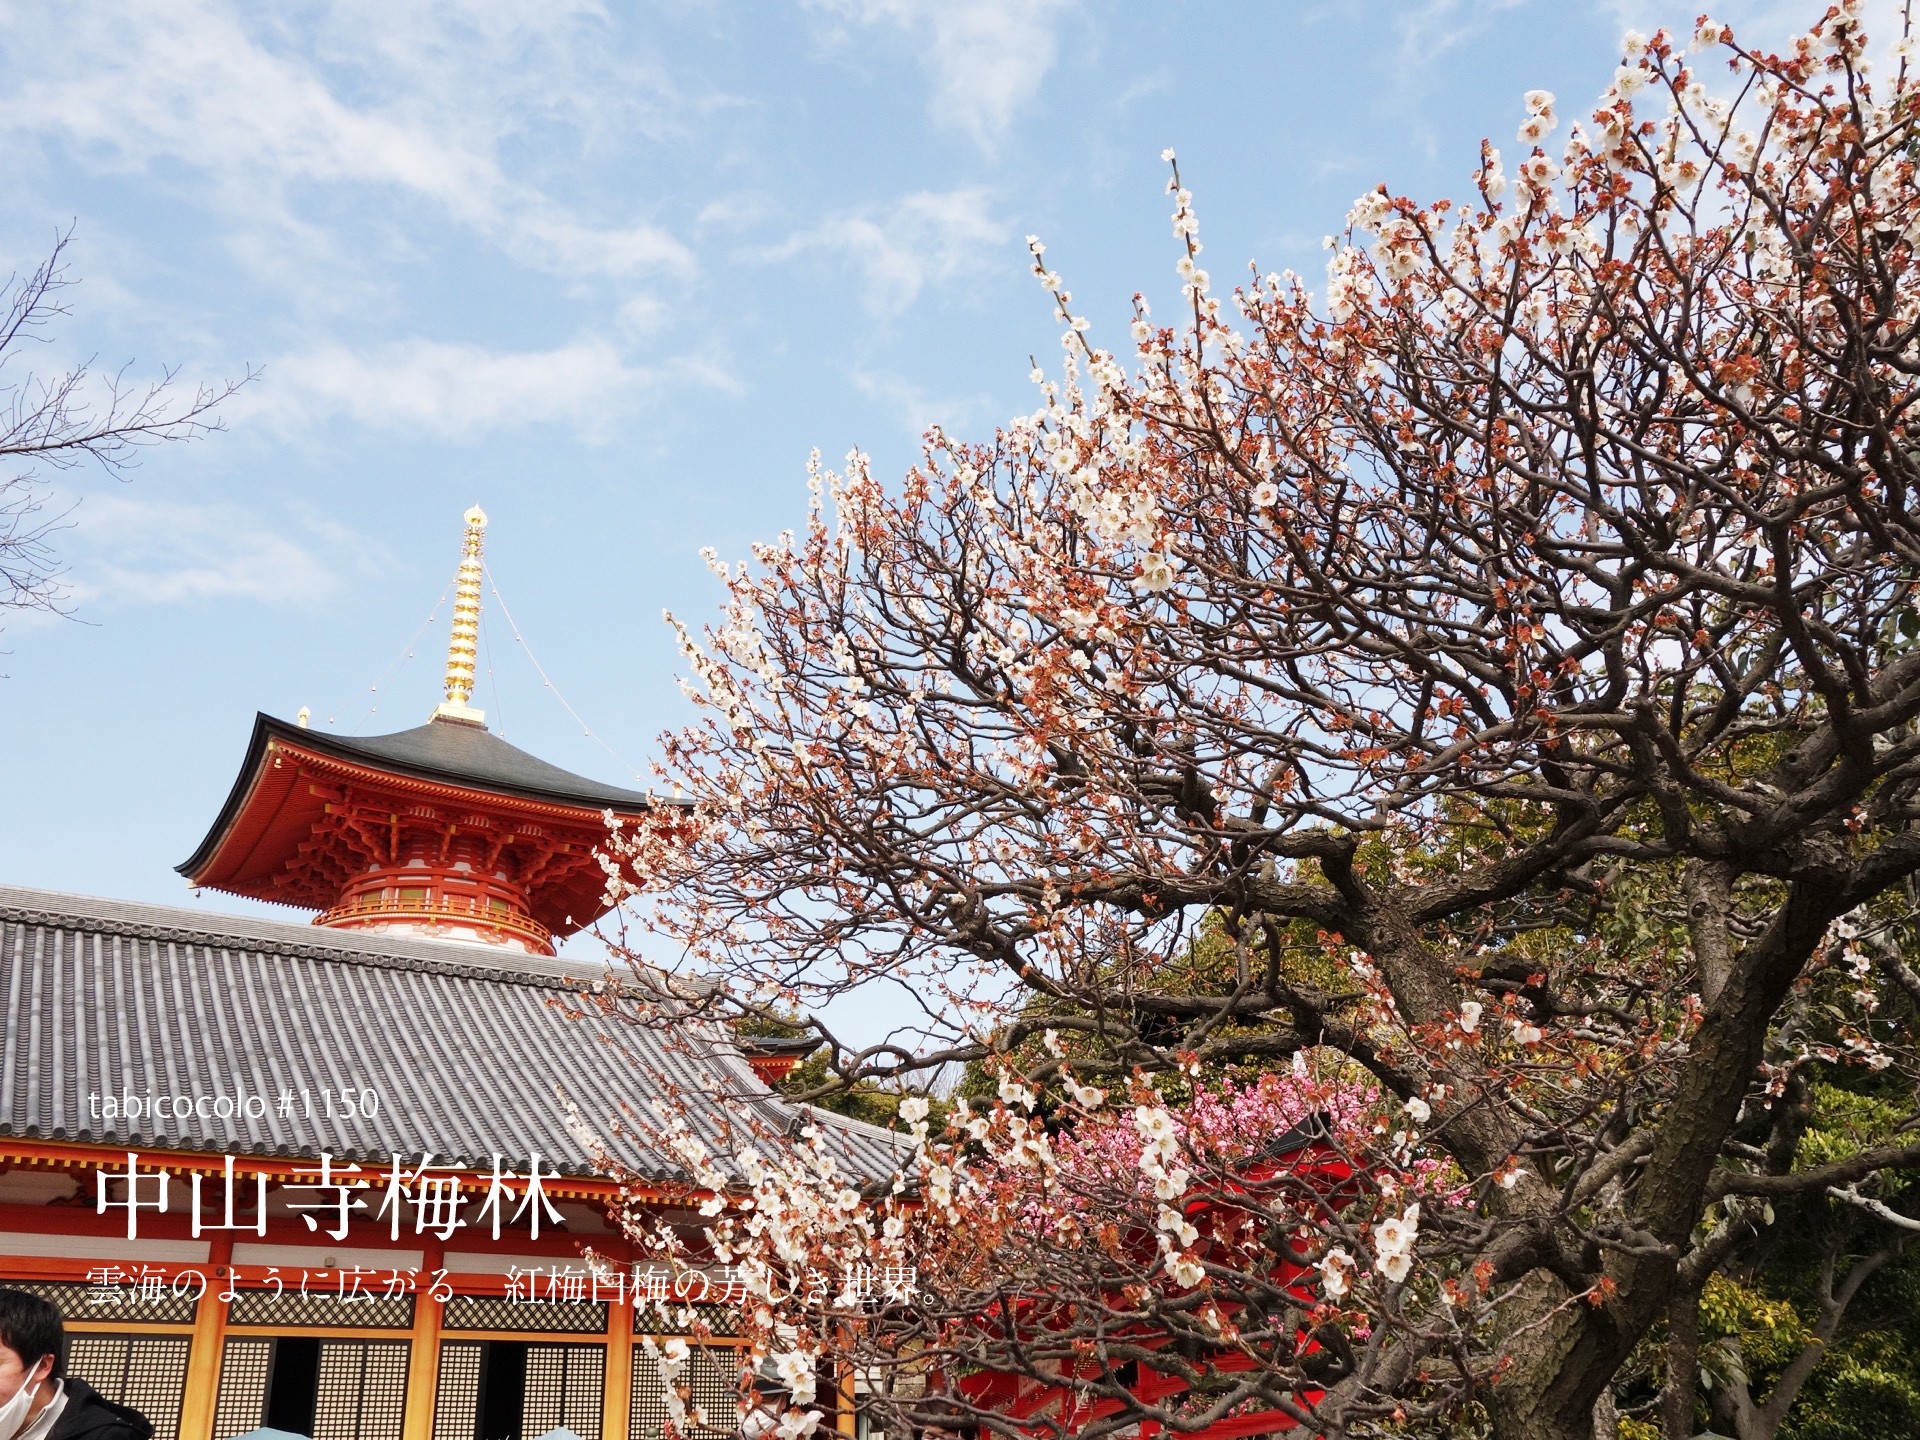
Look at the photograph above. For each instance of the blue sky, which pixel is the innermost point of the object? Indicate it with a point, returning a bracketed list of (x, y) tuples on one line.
[(610, 271)]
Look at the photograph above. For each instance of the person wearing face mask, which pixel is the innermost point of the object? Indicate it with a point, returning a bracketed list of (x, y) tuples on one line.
[(38, 1399)]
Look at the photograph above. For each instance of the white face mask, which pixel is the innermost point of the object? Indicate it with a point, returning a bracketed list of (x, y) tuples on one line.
[(13, 1414)]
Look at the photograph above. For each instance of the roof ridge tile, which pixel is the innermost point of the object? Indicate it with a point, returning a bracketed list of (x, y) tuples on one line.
[(212, 936)]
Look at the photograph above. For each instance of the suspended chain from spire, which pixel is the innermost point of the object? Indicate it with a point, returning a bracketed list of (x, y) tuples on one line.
[(545, 680)]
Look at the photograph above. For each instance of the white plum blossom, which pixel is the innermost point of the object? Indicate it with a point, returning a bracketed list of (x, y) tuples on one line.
[(671, 1359), (1087, 1097), (1709, 34), (1400, 245), (1393, 1241), (1527, 1034), (1174, 1223), (1156, 1128), (1183, 1269), (1537, 172), (940, 1187), (1336, 1273), (1493, 179), (913, 1109), (1348, 283), (1541, 120), (796, 1371), (1681, 174), (1171, 1184), (1370, 211), (1419, 1111), (1397, 1232), (1156, 573), (1470, 1016)]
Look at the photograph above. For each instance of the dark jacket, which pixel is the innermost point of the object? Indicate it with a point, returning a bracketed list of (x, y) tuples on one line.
[(91, 1416)]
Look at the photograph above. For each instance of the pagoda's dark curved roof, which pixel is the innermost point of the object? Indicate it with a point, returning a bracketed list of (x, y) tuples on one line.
[(446, 751), (467, 755)]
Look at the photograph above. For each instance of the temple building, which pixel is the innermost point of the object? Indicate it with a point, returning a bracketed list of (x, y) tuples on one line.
[(346, 1177)]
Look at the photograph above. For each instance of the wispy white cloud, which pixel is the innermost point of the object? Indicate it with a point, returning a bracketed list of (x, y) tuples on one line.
[(642, 314), (915, 407), (1430, 31), (984, 59), (458, 391), (1424, 34), (1427, 32), (1768, 23), (186, 82), (422, 102), (899, 249), (740, 210), (570, 248), (133, 550)]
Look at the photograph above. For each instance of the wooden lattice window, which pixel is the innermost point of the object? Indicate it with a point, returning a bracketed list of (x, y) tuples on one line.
[(362, 1391), (353, 1389), (241, 1403), (566, 1385), (549, 1317), (673, 1318), (713, 1393), (523, 1387), (113, 1304), (291, 1310), (457, 1402), (148, 1372)]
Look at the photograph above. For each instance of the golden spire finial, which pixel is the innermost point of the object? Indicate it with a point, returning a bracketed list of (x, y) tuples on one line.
[(463, 646)]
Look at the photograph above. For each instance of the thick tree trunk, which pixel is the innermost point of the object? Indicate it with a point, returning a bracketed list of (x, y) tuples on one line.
[(1681, 1392), (1542, 1339)]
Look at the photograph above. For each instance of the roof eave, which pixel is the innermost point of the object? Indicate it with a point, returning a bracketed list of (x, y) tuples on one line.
[(243, 785), (267, 729)]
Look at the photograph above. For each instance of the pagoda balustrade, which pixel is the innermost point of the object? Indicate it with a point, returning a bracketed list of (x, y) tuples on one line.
[(459, 911)]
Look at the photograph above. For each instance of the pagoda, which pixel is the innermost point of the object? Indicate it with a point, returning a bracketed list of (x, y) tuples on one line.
[(444, 831), (341, 1179)]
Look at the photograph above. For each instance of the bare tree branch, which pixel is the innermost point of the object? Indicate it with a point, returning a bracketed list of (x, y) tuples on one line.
[(69, 418)]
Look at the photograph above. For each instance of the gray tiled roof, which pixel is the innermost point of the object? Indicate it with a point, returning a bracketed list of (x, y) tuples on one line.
[(470, 1049)]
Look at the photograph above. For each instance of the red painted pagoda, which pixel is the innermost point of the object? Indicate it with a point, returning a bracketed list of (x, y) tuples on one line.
[(475, 1089), (443, 832)]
